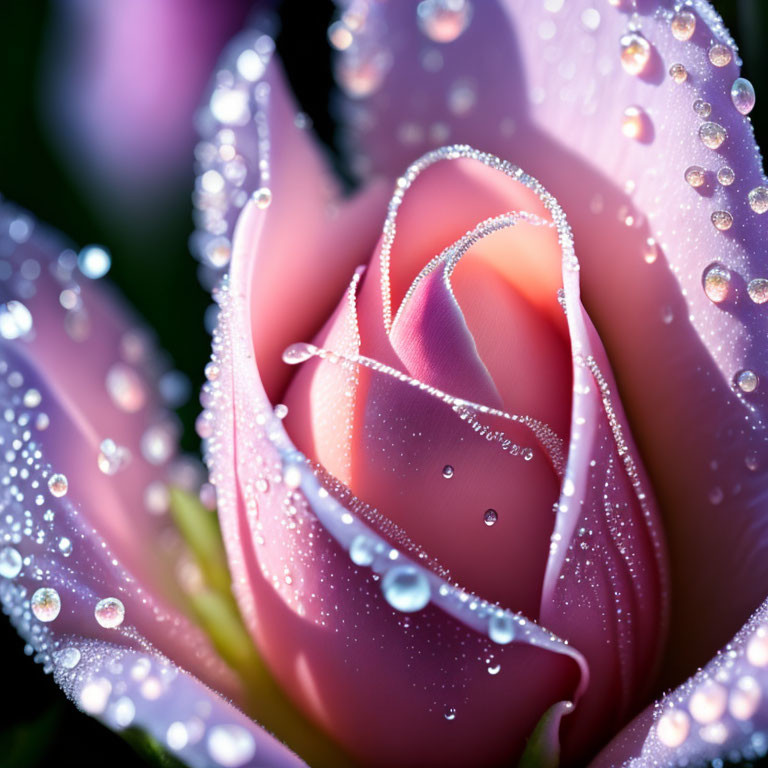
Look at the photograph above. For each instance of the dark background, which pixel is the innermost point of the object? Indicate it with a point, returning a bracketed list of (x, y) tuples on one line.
[(152, 266)]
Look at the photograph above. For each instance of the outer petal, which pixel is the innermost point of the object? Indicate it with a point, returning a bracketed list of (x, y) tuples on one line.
[(286, 536), (543, 84), (58, 495), (720, 712)]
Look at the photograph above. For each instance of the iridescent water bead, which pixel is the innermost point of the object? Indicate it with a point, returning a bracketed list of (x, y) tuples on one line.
[(747, 381), (695, 175), (501, 628), (443, 21), (490, 516), (635, 53), (633, 122), (448, 471), (712, 135), (702, 108), (723, 220), (263, 197), (720, 55), (405, 588), (726, 176), (717, 283), (109, 612), (758, 290), (683, 25), (10, 563), (678, 73), (743, 95), (45, 604), (57, 484), (758, 199)]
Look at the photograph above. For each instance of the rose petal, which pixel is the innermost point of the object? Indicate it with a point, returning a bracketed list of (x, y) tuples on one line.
[(720, 712), (543, 84), (129, 688)]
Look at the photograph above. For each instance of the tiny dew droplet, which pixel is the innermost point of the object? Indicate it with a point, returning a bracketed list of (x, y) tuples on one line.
[(490, 516), (726, 176), (448, 471), (58, 485), (450, 713), (46, 604), (695, 175), (747, 381), (678, 73), (712, 135), (633, 122), (722, 220), (10, 563), (717, 283), (758, 290), (758, 199), (263, 197), (702, 108), (109, 612), (743, 95), (683, 25), (720, 55), (405, 588), (635, 53)]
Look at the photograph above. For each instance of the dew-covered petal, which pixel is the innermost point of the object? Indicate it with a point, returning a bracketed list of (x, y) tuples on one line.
[(135, 687), (721, 712), (581, 97)]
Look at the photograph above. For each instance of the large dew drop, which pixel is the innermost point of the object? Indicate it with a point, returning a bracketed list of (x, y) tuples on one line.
[(501, 628), (109, 612), (717, 283), (405, 588), (230, 745), (635, 53), (58, 485), (743, 95), (683, 25), (758, 290), (758, 199), (712, 135), (46, 604), (299, 353)]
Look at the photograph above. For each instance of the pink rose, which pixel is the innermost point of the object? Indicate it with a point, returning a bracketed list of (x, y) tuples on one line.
[(441, 536)]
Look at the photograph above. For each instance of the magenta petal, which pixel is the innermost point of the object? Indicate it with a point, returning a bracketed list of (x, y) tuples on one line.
[(543, 85), (720, 712), (136, 687)]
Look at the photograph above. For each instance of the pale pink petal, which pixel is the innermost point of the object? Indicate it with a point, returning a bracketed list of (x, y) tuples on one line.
[(543, 85), (719, 713)]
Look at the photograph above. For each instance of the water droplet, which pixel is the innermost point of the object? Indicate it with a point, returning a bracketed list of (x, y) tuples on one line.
[(448, 471), (158, 443), (65, 546), (126, 388), (752, 462), (758, 199), (635, 53), (230, 745), (46, 604), (15, 320), (494, 670), (94, 696), (299, 353), (68, 657), (281, 410), (361, 550), (361, 72), (501, 628), (450, 713), (262, 197), (10, 563), (490, 516), (651, 252), (109, 612), (743, 95), (726, 176), (720, 55), (678, 73), (673, 728), (405, 588), (758, 290), (112, 457), (683, 25), (230, 106), (177, 736), (745, 698), (443, 21), (722, 220), (702, 108), (717, 283), (695, 175), (747, 381), (462, 96), (250, 66), (94, 261), (757, 647), (707, 703), (58, 485), (32, 398), (712, 135), (633, 122)]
